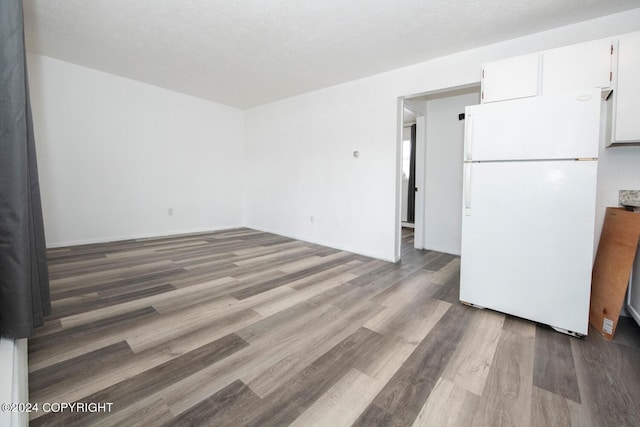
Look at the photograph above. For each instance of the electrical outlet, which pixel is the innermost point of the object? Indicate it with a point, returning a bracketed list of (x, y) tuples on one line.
[(170, 212), (311, 218)]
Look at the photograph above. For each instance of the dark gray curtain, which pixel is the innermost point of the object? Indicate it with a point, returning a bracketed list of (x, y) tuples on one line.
[(411, 197), (24, 278)]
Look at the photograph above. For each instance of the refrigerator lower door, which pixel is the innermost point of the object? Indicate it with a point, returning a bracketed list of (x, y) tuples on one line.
[(527, 239)]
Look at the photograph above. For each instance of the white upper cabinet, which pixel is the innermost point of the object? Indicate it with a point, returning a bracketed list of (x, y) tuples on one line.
[(601, 64), (577, 67), (626, 125), (510, 78)]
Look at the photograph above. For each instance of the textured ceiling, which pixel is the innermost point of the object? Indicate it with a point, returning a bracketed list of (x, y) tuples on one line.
[(249, 52)]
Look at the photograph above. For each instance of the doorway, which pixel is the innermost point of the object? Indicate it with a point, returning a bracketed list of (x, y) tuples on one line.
[(438, 123), (409, 132), (412, 172)]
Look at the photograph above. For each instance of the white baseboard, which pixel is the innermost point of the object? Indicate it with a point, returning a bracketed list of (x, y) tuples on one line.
[(323, 243), (138, 236)]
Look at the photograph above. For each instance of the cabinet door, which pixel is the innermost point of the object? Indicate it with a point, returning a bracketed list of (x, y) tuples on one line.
[(576, 67), (510, 78), (633, 294), (627, 95)]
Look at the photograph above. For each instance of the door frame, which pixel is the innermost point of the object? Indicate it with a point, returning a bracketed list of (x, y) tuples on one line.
[(421, 162)]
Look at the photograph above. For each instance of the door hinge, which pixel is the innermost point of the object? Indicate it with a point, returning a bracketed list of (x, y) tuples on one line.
[(482, 95), (611, 49), (610, 75), (483, 73)]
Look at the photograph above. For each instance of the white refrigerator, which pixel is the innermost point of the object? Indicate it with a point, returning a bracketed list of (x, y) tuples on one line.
[(530, 171)]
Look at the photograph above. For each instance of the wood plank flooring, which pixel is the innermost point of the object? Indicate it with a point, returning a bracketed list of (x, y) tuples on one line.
[(246, 328)]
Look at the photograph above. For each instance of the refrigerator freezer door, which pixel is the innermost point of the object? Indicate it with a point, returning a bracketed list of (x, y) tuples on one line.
[(562, 126), (527, 240)]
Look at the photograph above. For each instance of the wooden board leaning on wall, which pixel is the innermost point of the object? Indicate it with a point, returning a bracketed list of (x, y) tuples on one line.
[(612, 269)]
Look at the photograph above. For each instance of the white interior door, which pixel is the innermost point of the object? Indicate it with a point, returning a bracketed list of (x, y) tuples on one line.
[(527, 239)]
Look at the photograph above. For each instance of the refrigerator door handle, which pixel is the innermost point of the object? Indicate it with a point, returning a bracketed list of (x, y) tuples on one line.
[(468, 135), (467, 188)]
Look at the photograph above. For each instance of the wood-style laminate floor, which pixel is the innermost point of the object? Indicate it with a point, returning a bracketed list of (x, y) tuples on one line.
[(242, 327)]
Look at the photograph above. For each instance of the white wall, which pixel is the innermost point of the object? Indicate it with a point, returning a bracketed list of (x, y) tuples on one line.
[(303, 180), (443, 186), (299, 161), (115, 154), (618, 169)]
